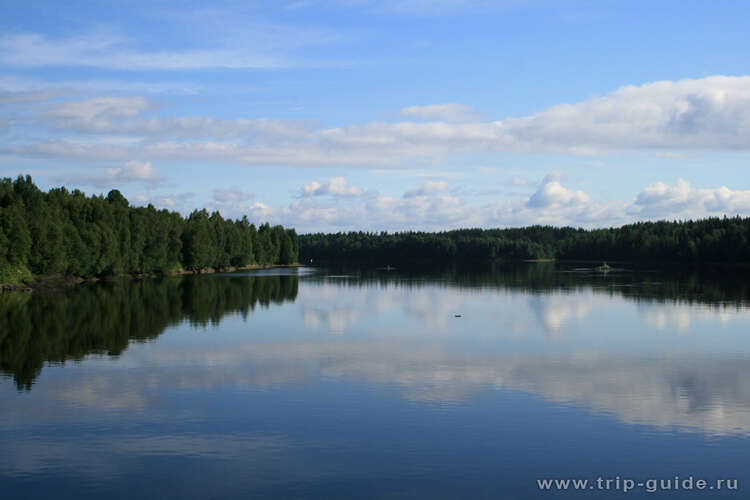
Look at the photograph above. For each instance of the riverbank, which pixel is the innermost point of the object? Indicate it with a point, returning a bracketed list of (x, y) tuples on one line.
[(30, 283)]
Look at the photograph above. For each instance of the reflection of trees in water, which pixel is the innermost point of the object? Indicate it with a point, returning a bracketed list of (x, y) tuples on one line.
[(104, 318), (708, 285)]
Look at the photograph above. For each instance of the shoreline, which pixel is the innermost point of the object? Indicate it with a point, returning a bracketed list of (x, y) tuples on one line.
[(54, 283)]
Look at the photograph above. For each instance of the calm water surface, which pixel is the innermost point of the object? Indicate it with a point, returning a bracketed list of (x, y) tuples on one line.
[(366, 384)]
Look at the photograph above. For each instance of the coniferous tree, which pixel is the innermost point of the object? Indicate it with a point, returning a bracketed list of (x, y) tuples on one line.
[(199, 251), (62, 232)]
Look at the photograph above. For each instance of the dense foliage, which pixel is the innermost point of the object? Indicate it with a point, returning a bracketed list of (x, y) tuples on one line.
[(69, 233), (709, 240)]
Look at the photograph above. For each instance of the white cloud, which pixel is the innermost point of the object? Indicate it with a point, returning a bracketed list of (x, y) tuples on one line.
[(337, 186), (128, 116), (164, 202), (429, 208), (442, 112), (338, 206), (711, 113), (232, 202), (707, 114), (552, 194), (428, 188), (554, 204), (267, 48), (682, 201), (99, 114), (376, 212), (517, 181), (179, 202), (260, 211), (132, 172), (231, 195)]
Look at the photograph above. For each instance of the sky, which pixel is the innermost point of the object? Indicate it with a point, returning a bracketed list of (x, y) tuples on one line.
[(385, 115)]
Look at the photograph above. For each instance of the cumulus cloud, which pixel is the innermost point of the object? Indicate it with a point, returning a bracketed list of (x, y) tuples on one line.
[(553, 203), (708, 113), (552, 194), (682, 200), (133, 171), (339, 206), (427, 207), (430, 208), (372, 212), (442, 112), (337, 186), (433, 212), (429, 187), (260, 211), (232, 202)]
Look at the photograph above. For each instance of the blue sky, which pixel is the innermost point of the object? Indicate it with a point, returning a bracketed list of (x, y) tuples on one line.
[(385, 115)]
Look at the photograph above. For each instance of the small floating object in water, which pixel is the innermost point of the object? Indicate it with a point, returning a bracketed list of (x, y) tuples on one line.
[(387, 268), (457, 315), (604, 267)]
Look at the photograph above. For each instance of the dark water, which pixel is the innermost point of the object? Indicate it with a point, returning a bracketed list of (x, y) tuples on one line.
[(366, 384)]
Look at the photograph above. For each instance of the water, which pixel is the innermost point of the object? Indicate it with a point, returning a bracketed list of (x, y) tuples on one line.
[(312, 383)]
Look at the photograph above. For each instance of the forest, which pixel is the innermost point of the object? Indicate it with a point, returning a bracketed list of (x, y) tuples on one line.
[(711, 240), (66, 233)]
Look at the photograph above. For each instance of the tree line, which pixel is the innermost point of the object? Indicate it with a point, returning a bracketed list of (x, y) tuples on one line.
[(716, 240), (63, 232)]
